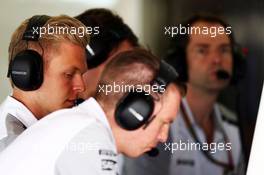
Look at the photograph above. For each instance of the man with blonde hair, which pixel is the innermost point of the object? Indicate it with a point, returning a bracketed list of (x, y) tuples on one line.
[(46, 62), (86, 139)]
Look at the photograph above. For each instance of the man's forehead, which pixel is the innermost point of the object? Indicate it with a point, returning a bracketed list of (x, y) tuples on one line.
[(69, 55), (206, 39), (206, 23), (205, 31)]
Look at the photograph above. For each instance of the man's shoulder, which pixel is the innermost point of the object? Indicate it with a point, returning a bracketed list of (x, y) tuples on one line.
[(93, 140), (92, 148), (228, 116), (13, 128), (10, 113), (67, 117), (6, 105)]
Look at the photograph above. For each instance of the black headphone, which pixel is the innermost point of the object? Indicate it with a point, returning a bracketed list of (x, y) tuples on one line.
[(135, 108), (26, 68), (176, 54), (100, 46)]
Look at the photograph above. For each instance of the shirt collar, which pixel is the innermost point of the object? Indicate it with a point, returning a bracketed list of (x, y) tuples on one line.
[(216, 114), (20, 111)]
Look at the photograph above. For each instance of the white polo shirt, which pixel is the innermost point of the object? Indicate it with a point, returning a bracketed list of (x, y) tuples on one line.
[(69, 141), (191, 161)]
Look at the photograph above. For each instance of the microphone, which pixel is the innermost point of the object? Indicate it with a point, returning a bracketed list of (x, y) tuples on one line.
[(154, 152), (222, 74), (78, 101)]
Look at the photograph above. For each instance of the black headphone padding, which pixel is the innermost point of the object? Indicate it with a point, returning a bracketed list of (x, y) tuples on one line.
[(140, 103), (26, 70), (101, 45), (35, 22)]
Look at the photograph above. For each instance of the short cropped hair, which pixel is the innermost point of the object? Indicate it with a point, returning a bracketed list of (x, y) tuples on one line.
[(135, 67)]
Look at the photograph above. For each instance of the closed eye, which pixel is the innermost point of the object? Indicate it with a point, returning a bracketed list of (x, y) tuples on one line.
[(68, 75)]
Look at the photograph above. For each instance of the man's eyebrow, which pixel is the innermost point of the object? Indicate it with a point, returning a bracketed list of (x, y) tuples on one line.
[(225, 45), (201, 45), (74, 68)]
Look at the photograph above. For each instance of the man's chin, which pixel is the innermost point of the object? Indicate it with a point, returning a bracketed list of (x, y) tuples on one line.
[(217, 85), (134, 154), (68, 104), (87, 94)]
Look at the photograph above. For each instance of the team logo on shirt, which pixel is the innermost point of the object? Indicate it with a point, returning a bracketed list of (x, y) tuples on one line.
[(108, 162)]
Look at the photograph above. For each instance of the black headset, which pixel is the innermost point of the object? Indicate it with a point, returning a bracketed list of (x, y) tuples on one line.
[(176, 54), (26, 68), (100, 46), (135, 108)]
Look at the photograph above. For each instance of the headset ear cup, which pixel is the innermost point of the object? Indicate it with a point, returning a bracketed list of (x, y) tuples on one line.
[(134, 110), (100, 49), (26, 70), (176, 58), (239, 64), (101, 44), (36, 22)]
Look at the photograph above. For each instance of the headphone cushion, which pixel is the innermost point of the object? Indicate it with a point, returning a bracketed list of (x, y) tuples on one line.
[(176, 58), (102, 45), (101, 49), (27, 70), (134, 110)]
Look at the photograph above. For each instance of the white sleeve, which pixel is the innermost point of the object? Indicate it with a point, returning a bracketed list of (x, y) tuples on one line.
[(89, 152)]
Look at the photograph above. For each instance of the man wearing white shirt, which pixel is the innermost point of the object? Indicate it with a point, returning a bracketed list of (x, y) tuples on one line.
[(210, 63), (52, 83), (86, 139)]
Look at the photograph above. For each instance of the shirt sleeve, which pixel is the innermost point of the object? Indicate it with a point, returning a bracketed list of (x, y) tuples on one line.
[(91, 151)]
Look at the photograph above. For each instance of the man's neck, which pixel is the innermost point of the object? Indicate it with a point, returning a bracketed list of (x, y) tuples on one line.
[(30, 103), (201, 103), (109, 112)]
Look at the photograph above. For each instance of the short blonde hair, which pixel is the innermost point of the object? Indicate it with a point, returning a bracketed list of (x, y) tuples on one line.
[(48, 41)]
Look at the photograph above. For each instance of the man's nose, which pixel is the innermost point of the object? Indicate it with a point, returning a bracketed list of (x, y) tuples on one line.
[(215, 57), (79, 85)]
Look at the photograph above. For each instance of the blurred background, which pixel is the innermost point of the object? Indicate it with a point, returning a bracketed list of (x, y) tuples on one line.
[(148, 18)]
